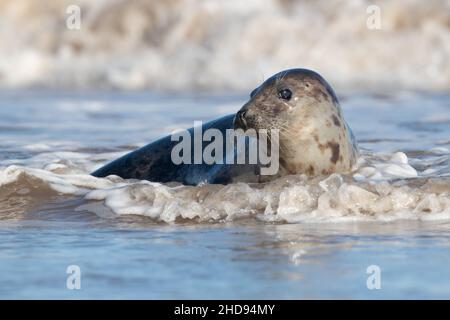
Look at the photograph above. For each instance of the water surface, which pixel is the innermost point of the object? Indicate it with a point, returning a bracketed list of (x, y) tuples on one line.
[(293, 238)]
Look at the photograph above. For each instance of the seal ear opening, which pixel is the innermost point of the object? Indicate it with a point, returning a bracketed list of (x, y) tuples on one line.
[(252, 94)]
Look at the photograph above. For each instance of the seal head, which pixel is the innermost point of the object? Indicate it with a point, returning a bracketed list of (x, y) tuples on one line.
[(313, 136)]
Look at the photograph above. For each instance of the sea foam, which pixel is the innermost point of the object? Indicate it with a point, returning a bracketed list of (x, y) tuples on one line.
[(383, 188), (215, 44)]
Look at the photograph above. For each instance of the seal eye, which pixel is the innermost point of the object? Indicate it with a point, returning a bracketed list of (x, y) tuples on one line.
[(285, 94)]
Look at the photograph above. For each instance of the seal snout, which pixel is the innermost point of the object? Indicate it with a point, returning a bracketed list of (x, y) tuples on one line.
[(239, 120)]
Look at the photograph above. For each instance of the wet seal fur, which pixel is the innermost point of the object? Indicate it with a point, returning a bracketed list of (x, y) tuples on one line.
[(314, 137)]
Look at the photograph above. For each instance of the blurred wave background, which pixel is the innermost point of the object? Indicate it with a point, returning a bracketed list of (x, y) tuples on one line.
[(216, 45)]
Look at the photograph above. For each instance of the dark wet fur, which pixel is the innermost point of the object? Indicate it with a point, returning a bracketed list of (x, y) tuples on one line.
[(153, 162)]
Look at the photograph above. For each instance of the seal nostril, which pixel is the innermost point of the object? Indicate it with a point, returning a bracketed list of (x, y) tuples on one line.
[(240, 117), (243, 120)]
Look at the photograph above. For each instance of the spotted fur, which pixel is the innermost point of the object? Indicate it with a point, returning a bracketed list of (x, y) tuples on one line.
[(314, 137)]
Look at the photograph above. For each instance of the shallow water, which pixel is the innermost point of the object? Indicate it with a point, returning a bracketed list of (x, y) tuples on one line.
[(291, 238)]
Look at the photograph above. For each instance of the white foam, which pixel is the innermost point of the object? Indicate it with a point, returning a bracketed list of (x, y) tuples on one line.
[(379, 193), (395, 167), (223, 44)]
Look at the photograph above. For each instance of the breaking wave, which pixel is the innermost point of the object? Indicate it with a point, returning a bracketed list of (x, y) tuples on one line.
[(185, 45), (384, 188)]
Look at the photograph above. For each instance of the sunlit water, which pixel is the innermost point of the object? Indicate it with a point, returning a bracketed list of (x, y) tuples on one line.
[(295, 237)]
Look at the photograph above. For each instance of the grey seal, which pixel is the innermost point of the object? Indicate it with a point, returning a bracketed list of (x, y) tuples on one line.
[(314, 138)]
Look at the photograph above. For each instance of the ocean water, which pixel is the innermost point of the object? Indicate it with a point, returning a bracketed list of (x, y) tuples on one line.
[(295, 237)]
